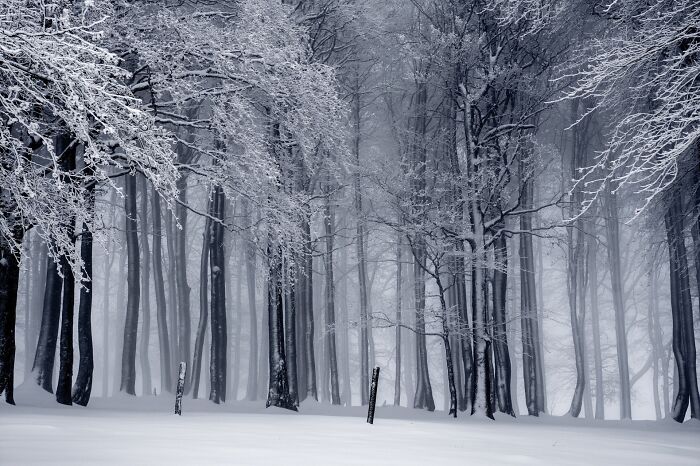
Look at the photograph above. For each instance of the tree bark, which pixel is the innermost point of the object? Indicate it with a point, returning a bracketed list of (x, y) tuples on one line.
[(329, 334), (9, 284), (250, 257), (166, 378), (310, 365), (397, 357), (128, 369), (48, 334), (613, 240), (219, 336), (500, 344), (145, 294), (278, 389), (682, 314), (595, 321), (83, 383), (203, 303), (65, 352)]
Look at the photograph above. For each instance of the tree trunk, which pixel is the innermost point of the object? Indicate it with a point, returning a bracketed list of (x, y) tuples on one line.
[(128, 369), (329, 334), (173, 327), (682, 314), (278, 390), (203, 304), (145, 294), (65, 372), (250, 257), (360, 242), (9, 284), (595, 322), (310, 365), (613, 240), (83, 383), (48, 334), (219, 336), (397, 357), (166, 378), (183, 288), (290, 317), (500, 344)]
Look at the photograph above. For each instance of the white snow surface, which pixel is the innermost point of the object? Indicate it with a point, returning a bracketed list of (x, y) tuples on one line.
[(143, 431)]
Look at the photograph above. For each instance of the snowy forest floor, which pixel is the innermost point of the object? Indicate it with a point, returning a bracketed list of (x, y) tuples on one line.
[(137, 431)]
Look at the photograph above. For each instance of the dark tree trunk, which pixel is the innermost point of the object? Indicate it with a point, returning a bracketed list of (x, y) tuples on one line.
[(500, 336), (145, 293), (290, 317), (311, 389), (613, 240), (532, 357), (278, 389), (128, 367), (218, 361), (183, 288), (173, 328), (682, 314), (166, 378), (83, 383), (65, 351), (48, 334), (360, 242), (203, 303), (397, 362), (424, 392), (9, 284), (329, 225)]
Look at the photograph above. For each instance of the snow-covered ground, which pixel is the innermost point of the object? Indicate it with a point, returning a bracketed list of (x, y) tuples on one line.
[(144, 431)]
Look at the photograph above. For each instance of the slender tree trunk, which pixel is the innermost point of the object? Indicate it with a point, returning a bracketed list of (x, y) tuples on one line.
[(613, 240), (250, 256), (128, 369), (145, 293), (532, 359), (106, 310), (65, 372), (397, 361), (219, 336), (329, 224), (166, 378), (9, 284), (500, 340), (651, 324), (182, 287), (37, 282), (83, 383), (595, 322), (360, 242), (203, 304), (290, 317), (234, 349), (28, 303), (48, 334), (308, 312), (173, 326)]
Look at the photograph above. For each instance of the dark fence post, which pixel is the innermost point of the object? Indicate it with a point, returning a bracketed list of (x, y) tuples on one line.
[(373, 395), (180, 388)]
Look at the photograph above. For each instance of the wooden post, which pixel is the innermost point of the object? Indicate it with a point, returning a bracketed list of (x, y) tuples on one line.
[(373, 395), (180, 388)]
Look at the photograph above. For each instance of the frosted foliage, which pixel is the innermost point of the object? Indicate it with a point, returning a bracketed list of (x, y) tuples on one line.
[(59, 79)]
